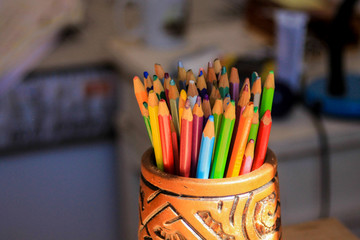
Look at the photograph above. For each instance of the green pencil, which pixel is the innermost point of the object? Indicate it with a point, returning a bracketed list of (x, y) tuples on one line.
[(254, 126), (268, 94), (223, 143), (223, 83), (217, 112)]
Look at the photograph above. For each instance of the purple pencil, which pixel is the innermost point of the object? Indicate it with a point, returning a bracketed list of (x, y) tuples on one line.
[(198, 121), (234, 84)]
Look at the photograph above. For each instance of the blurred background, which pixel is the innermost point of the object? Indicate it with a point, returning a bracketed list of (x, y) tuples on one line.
[(72, 136)]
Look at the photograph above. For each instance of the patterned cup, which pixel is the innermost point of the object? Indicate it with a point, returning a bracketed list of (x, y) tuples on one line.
[(243, 207)]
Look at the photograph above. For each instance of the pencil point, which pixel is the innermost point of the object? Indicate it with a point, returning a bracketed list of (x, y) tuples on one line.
[(198, 101), (271, 72), (211, 118), (206, 97), (201, 73), (155, 78), (210, 65), (180, 64), (145, 105), (172, 82), (166, 75), (223, 70), (146, 74)]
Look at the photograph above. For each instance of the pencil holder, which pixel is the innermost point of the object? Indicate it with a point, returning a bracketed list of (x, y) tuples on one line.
[(243, 207)]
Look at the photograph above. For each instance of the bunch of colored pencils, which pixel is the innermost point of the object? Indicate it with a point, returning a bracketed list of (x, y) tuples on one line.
[(206, 126)]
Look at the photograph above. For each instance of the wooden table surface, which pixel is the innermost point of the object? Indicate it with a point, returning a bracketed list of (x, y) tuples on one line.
[(326, 229)]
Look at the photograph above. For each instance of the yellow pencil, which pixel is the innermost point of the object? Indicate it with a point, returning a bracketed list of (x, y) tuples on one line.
[(154, 122)]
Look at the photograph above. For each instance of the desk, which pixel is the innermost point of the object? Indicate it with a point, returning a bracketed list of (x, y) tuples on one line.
[(327, 229)]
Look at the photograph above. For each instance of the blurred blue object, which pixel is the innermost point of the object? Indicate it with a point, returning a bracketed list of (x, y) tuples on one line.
[(347, 105)]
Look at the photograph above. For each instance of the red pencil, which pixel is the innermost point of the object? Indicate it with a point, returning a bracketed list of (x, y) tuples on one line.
[(198, 121), (262, 140), (165, 136), (175, 146), (248, 158), (186, 141)]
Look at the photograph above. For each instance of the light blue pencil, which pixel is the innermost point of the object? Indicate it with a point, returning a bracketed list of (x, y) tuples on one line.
[(206, 149)]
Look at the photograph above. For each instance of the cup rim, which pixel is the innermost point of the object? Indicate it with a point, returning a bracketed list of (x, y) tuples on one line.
[(217, 187)]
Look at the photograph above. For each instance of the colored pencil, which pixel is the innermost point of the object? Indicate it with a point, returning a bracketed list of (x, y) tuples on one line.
[(190, 76), (254, 77), (223, 142), (268, 94), (165, 136), (158, 88), (141, 97), (234, 84), (262, 140), (210, 77), (254, 126), (241, 137), (223, 83), (204, 72), (217, 111), (147, 122), (256, 93), (174, 105), (226, 101), (166, 87), (201, 84), (192, 93), (155, 130), (182, 101), (186, 141), (175, 146), (214, 95), (248, 158), (159, 71), (206, 150), (198, 121), (206, 108), (217, 68), (243, 101), (148, 82), (181, 77)]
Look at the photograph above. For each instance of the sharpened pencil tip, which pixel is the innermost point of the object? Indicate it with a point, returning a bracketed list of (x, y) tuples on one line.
[(180, 64), (146, 74), (198, 101), (206, 97), (271, 72), (211, 118), (201, 73), (166, 75), (172, 82), (210, 65), (223, 70), (155, 77)]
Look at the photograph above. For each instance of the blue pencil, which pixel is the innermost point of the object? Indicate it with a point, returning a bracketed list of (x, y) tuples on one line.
[(206, 150)]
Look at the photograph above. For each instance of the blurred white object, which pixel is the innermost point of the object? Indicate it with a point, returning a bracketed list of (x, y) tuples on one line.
[(290, 42), (160, 23)]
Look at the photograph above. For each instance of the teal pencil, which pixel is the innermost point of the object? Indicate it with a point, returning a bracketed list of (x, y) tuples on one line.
[(206, 150)]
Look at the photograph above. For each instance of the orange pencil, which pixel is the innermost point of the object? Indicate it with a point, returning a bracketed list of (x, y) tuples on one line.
[(159, 71), (186, 141), (175, 146), (140, 93), (240, 141), (201, 84), (182, 100), (262, 140), (248, 158), (165, 136), (243, 101)]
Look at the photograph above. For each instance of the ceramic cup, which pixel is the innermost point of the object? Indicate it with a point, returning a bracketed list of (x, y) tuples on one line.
[(243, 207)]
